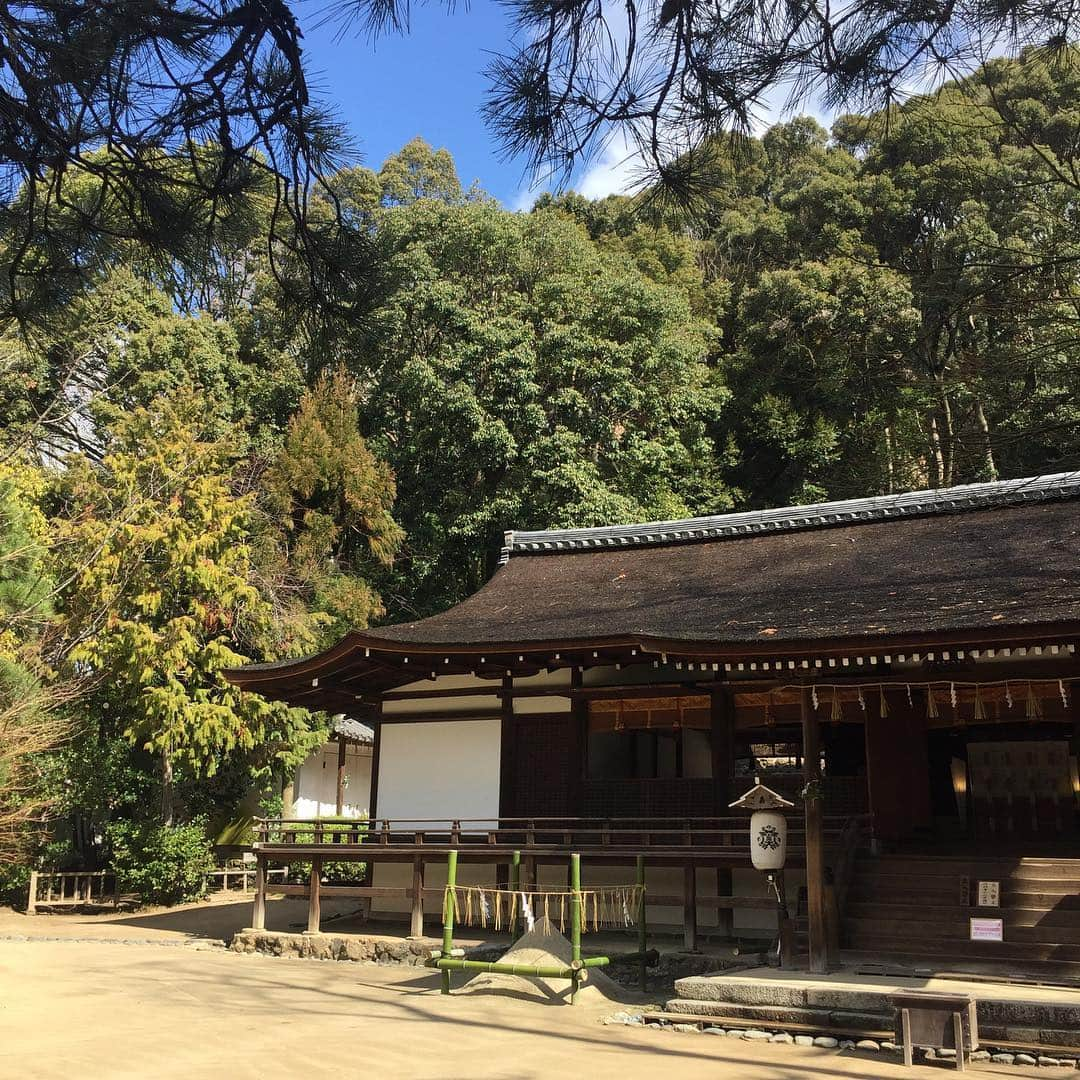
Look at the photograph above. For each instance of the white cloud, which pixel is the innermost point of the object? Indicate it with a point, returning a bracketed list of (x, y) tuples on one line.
[(614, 172)]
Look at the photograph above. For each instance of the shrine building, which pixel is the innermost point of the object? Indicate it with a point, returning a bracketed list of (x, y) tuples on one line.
[(902, 668)]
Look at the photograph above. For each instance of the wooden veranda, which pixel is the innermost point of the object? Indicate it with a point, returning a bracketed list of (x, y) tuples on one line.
[(720, 843)]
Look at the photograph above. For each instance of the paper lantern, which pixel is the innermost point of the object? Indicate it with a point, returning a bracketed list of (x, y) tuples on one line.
[(768, 825), (768, 839)]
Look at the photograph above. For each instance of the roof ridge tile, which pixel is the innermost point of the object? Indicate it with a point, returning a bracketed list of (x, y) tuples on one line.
[(742, 523)]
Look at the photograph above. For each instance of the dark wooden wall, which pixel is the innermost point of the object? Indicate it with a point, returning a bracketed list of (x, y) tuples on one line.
[(897, 767)]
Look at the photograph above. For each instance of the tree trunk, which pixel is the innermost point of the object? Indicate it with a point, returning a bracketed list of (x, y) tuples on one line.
[(936, 454), (989, 465), (890, 459), (949, 448), (166, 788)]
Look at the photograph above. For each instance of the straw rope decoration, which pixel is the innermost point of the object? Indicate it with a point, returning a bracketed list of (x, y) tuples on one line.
[(1032, 702), (612, 907)]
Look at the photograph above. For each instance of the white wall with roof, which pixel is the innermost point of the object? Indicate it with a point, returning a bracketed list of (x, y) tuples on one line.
[(315, 784)]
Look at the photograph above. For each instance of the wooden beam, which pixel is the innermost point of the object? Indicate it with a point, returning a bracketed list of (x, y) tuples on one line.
[(815, 841)]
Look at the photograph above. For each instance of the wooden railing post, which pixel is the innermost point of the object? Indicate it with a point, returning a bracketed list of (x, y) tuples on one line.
[(258, 910), (416, 927), (314, 899), (31, 894), (690, 926)]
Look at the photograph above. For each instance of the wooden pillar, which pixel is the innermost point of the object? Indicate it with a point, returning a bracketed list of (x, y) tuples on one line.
[(314, 915), (815, 838), (416, 926), (258, 910), (725, 916), (376, 748), (690, 907), (31, 894), (508, 803), (339, 802), (579, 747)]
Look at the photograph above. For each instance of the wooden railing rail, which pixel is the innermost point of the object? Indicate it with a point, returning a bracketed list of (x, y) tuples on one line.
[(244, 874), (691, 834)]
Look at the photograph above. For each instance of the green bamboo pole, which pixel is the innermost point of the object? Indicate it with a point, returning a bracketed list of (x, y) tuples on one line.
[(643, 934), (535, 971), (575, 925), (448, 916), (515, 886)]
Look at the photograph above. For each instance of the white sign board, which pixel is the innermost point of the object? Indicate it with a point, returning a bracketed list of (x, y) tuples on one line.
[(989, 894), (987, 929)]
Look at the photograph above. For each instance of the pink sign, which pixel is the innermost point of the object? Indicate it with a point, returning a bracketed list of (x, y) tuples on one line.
[(987, 929)]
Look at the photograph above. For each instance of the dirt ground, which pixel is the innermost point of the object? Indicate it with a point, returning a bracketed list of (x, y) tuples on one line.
[(108, 999)]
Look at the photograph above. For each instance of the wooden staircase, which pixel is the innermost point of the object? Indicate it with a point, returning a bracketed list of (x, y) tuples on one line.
[(917, 907)]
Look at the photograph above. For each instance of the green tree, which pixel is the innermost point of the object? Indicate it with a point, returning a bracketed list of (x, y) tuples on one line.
[(330, 499), (162, 597), (516, 375), (32, 717)]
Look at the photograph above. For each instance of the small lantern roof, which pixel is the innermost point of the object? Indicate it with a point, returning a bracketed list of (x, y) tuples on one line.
[(760, 797)]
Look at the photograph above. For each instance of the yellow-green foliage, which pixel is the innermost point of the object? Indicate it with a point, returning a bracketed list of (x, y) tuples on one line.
[(162, 597)]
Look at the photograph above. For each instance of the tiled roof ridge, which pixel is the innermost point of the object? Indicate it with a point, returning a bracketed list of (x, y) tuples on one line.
[(791, 518)]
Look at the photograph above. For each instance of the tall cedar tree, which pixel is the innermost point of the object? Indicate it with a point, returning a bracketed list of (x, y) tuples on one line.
[(162, 597)]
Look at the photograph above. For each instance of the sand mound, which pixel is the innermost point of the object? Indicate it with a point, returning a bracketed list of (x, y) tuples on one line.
[(544, 946)]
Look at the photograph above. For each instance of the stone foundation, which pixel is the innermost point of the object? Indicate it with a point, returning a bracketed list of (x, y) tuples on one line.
[(356, 947)]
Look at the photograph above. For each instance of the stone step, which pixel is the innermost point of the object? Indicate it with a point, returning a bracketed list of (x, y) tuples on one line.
[(1013, 1018), (777, 1017)]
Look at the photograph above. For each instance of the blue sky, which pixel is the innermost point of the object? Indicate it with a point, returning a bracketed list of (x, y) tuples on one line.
[(427, 83), (430, 82)]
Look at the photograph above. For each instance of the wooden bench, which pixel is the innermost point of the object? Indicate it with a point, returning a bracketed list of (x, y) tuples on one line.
[(941, 1021)]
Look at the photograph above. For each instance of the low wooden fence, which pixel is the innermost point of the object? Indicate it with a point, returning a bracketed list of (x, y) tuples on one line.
[(71, 888), (83, 888)]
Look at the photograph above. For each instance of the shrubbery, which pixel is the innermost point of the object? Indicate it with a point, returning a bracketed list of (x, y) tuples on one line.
[(164, 864)]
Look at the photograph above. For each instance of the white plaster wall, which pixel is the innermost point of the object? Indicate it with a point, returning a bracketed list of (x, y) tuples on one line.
[(444, 769), (441, 769), (485, 701), (315, 784)]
